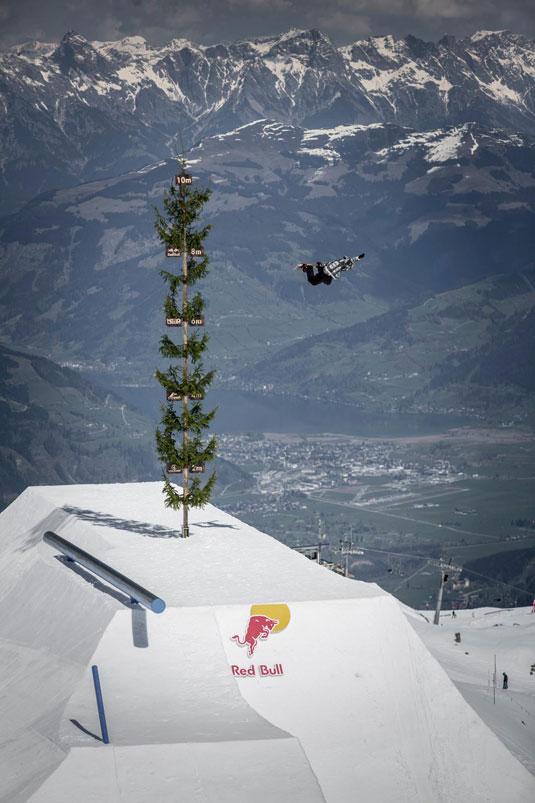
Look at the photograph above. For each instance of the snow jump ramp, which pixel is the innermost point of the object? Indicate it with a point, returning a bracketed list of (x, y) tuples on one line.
[(339, 701)]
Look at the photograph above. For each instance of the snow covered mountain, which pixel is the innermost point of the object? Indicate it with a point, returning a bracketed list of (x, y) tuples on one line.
[(355, 705), (434, 210), (79, 110)]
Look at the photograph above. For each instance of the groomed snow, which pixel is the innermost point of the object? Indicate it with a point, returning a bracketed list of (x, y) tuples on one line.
[(485, 634), (360, 711)]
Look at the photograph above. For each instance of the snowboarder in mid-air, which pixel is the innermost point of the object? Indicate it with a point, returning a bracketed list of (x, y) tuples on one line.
[(327, 271)]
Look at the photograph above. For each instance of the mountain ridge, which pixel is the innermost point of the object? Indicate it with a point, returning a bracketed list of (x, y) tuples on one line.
[(80, 110), (416, 202), (436, 212)]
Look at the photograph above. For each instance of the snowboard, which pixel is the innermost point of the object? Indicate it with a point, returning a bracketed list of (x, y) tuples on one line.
[(313, 264)]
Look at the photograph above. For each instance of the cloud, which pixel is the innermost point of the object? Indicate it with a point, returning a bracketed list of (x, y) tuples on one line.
[(262, 4), (345, 23), (209, 21)]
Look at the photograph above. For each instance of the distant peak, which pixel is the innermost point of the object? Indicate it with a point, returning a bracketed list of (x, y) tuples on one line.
[(134, 41), (486, 34), (311, 33), (130, 44), (33, 48), (74, 52), (74, 36)]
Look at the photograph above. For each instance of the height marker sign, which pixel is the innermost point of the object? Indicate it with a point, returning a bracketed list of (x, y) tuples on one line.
[(172, 251), (192, 322)]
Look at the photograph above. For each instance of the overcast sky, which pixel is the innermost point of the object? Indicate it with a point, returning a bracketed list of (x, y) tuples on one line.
[(208, 21)]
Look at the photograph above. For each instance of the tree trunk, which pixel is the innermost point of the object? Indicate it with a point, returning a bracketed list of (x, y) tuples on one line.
[(185, 527)]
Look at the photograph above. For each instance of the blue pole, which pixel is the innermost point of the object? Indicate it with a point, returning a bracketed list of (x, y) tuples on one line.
[(100, 705)]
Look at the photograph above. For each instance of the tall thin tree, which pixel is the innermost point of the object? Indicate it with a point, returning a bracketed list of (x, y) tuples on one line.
[(180, 441)]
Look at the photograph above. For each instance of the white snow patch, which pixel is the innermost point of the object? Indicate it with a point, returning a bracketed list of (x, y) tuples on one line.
[(384, 45), (502, 92), (33, 51), (338, 132), (31, 82), (264, 44), (408, 74), (285, 68), (478, 35), (412, 139), (150, 167), (444, 85), (359, 690), (446, 148), (134, 45), (487, 632), (440, 145), (379, 82), (324, 152)]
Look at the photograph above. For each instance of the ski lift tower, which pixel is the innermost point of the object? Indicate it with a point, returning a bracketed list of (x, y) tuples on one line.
[(346, 549), (445, 570)]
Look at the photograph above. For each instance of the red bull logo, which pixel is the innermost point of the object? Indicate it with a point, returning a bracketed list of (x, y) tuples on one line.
[(259, 627), (263, 621)]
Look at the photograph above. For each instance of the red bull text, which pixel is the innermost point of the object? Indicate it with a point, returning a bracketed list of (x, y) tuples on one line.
[(263, 670)]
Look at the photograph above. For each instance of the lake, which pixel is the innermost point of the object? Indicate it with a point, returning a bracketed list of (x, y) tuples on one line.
[(248, 411)]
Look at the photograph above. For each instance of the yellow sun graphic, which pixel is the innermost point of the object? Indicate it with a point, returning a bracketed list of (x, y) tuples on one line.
[(274, 611)]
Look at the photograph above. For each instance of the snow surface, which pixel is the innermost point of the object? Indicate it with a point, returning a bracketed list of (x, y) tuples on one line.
[(478, 35), (508, 634), (362, 710)]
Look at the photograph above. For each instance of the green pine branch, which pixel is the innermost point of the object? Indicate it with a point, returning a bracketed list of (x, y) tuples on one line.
[(197, 496), (193, 350), (193, 419), (173, 308)]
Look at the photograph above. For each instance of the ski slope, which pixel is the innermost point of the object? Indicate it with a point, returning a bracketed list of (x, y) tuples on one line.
[(490, 637), (356, 705)]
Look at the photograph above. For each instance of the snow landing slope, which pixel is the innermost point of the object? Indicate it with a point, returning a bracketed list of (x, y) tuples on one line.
[(358, 709)]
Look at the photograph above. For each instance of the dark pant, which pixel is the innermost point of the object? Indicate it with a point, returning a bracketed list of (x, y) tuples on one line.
[(320, 278)]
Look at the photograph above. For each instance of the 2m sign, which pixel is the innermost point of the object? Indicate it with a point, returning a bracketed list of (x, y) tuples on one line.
[(172, 468)]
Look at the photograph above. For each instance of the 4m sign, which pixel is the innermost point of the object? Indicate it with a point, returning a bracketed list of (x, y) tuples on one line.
[(172, 396)]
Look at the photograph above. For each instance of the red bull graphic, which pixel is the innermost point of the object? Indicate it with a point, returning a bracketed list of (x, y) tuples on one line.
[(263, 670), (263, 621), (259, 627)]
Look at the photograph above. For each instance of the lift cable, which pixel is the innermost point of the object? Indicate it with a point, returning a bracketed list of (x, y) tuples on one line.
[(443, 562)]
